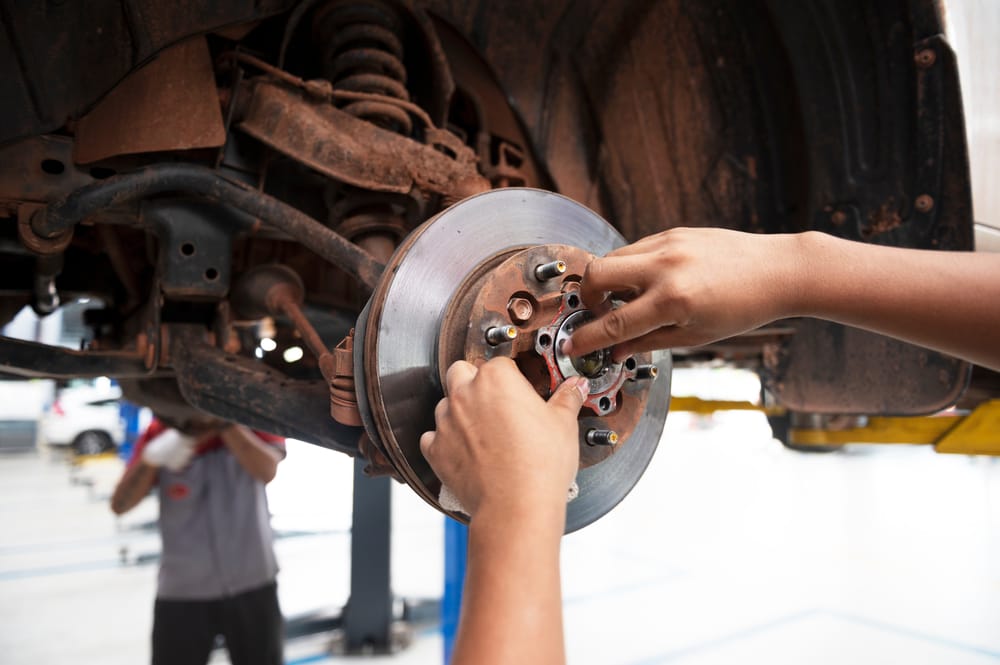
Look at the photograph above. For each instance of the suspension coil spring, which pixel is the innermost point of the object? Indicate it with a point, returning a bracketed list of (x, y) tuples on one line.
[(362, 51)]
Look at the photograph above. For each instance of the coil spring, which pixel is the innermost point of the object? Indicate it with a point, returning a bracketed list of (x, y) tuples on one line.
[(362, 52)]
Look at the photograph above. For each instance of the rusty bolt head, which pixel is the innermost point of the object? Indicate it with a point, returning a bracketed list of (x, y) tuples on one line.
[(924, 203), (520, 310), (925, 58)]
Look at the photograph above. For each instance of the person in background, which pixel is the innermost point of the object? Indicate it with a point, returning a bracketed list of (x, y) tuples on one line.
[(218, 569), (508, 456)]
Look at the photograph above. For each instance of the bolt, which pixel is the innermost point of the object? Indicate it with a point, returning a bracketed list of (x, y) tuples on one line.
[(520, 310), (601, 437), (925, 58), (646, 371), (499, 334), (547, 271), (924, 203)]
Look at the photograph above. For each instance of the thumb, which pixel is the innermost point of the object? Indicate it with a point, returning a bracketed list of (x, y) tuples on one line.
[(570, 394)]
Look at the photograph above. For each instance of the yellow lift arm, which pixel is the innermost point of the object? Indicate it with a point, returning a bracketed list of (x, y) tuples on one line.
[(974, 433)]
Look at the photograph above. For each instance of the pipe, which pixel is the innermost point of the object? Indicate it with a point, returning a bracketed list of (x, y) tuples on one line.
[(163, 178)]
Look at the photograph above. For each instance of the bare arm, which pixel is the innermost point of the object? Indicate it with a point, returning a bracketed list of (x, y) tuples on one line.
[(686, 287), (133, 487), (257, 457), (947, 301), (512, 603), (509, 457)]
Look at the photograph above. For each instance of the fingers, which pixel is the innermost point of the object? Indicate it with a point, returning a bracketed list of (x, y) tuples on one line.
[(459, 374), (669, 337), (611, 274), (570, 395), (640, 246), (427, 443), (631, 320)]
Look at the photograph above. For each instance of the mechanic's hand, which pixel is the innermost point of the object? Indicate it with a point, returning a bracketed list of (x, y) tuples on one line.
[(686, 287), (499, 444), (170, 449)]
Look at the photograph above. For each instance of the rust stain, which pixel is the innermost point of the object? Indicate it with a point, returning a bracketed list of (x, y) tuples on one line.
[(337, 144), (170, 104), (883, 219)]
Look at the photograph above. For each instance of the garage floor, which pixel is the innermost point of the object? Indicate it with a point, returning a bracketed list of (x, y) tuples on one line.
[(731, 549)]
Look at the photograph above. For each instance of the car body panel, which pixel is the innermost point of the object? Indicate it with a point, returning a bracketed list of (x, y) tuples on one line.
[(82, 409)]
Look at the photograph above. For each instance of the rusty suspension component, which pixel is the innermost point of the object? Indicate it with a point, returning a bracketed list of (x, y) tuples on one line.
[(277, 290), (233, 387), (61, 216), (362, 52), (362, 56)]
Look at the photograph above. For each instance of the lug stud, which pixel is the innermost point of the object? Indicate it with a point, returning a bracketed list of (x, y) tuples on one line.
[(601, 437), (547, 271), (646, 371), (499, 334)]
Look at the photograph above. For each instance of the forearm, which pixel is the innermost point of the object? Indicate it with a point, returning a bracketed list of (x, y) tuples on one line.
[(256, 457), (133, 487), (512, 604), (946, 301)]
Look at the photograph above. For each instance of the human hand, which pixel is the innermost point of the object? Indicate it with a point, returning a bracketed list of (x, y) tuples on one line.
[(170, 449), (498, 443), (686, 287)]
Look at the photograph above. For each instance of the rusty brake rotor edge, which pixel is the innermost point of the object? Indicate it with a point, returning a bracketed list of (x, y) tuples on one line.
[(399, 363)]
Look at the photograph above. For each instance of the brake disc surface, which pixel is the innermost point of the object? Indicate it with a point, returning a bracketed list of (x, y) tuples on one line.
[(415, 316)]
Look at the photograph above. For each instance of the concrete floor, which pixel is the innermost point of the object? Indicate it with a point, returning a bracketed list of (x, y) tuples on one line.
[(730, 549)]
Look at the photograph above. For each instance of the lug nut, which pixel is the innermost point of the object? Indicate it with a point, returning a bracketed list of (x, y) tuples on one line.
[(520, 310), (601, 437), (547, 271), (499, 334), (646, 371)]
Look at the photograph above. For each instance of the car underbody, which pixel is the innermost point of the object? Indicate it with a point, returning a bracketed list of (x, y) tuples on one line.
[(237, 181)]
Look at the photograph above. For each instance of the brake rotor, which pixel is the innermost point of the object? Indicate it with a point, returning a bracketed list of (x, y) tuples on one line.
[(498, 274)]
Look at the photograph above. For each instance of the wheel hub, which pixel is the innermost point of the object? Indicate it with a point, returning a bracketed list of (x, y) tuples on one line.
[(499, 274)]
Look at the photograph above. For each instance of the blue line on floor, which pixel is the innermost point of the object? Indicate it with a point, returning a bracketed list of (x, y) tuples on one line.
[(319, 658), (26, 573), (915, 634)]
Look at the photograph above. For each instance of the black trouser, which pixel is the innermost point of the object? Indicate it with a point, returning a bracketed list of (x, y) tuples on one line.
[(184, 631)]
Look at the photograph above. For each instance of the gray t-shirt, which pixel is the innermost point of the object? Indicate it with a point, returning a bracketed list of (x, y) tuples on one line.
[(216, 531)]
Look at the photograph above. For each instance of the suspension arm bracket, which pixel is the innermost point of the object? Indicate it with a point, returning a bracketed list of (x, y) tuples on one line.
[(337, 144)]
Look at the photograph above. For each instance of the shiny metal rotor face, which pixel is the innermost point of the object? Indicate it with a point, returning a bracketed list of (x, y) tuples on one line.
[(417, 309)]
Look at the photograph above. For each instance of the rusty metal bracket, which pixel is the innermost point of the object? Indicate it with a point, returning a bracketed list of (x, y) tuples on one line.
[(64, 214), (352, 150), (251, 393)]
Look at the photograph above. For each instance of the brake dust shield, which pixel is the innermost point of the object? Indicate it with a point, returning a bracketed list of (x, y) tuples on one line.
[(498, 274)]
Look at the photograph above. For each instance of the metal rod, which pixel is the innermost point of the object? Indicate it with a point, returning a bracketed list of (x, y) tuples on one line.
[(163, 178), (325, 359)]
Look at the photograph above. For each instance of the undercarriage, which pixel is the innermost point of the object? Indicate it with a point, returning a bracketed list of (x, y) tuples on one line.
[(295, 215)]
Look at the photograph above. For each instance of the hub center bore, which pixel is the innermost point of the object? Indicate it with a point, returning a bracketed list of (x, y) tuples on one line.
[(525, 304)]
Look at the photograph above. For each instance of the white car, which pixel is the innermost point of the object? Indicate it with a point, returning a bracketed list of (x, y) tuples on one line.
[(88, 418)]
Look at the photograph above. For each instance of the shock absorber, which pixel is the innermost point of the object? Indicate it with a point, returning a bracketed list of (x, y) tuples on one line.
[(362, 51)]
